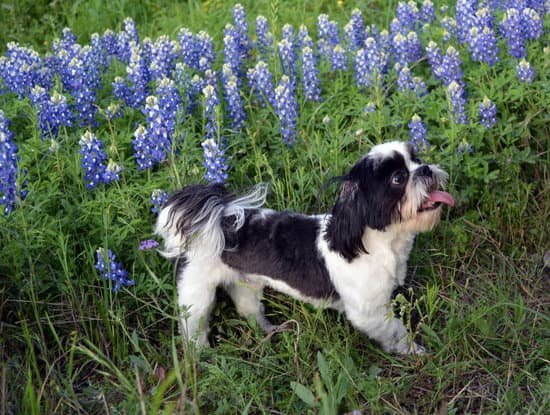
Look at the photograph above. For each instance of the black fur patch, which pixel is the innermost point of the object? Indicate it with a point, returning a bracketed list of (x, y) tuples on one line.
[(367, 199), (282, 246)]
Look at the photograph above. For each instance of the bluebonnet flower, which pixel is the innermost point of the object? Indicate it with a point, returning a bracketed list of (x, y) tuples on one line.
[(465, 18), (408, 15), (231, 49), (53, 111), (328, 35), (419, 86), (303, 38), (370, 62), (93, 159), (355, 31), (112, 111), (214, 161), (170, 105), (483, 45), (211, 103), (22, 69), (524, 71), (158, 199), (450, 26), (9, 193), (418, 133), (235, 104), (265, 37), (109, 43), (286, 108), (287, 32), (241, 25), (163, 57), (407, 49), (147, 244), (143, 152), (511, 29), (427, 12), (487, 113), (188, 48), (80, 83), (111, 270), (457, 102), (139, 76), (404, 78), (288, 58), (369, 108), (121, 90), (126, 38), (261, 81), (464, 147), (338, 58), (451, 67), (310, 75), (484, 18), (533, 27), (205, 51), (435, 57)]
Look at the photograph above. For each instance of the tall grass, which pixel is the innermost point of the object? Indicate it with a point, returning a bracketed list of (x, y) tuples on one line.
[(478, 290)]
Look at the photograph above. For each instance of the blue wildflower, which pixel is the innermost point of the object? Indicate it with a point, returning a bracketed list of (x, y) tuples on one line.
[(451, 67), (211, 104), (125, 39), (143, 151), (111, 270), (511, 29), (163, 57), (93, 159), (53, 111), (286, 108), (404, 78), (407, 49), (188, 49), (533, 27), (147, 244), (427, 12), (205, 51), (487, 113), (241, 25), (483, 45), (457, 102), (264, 36), (370, 62), (303, 38), (418, 133), (407, 15), (310, 75), (231, 49), (355, 31), (214, 161), (464, 148), (235, 103), (158, 199), (112, 111), (261, 82), (338, 58), (170, 105), (369, 108), (465, 18), (524, 71), (9, 192), (288, 58), (287, 32), (138, 75), (328, 35)]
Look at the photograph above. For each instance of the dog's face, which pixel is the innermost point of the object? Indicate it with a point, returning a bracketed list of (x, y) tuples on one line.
[(388, 189)]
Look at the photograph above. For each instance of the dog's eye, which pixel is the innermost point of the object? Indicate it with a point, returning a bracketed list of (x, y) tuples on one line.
[(399, 178)]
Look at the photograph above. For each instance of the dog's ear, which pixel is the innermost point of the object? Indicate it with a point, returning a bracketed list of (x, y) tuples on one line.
[(361, 204)]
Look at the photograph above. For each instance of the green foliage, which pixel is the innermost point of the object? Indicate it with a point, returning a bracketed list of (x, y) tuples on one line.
[(68, 344)]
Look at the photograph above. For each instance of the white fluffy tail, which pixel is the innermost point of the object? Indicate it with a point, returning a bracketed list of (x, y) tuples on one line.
[(190, 221)]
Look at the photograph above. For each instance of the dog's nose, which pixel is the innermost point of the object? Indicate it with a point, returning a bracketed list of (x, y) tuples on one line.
[(424, 171)]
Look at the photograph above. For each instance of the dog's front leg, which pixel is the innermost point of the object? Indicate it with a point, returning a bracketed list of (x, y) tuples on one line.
[(381, 326)]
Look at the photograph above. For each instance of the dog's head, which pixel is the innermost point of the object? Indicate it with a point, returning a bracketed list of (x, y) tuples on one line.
[(389, 189)]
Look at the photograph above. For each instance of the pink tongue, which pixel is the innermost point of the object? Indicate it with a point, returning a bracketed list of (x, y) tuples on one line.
[(442, 197)]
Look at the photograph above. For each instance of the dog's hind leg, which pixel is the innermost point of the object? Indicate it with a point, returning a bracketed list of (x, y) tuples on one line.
[(196, 285), (247, 297)]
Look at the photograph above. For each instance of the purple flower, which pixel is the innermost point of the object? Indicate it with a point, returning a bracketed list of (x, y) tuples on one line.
[(303, 38), (328, 35), (261, 82), (487, 113), (370, 62), (241, 25), (188, 48), (232, 49), (112, 111), (53, 112), (407, 49), (464, 147), (427, 12), (214, 161), (158, 199), (404, 78), (418, 133), (511, 29), (524, 71), (235, 103), (465, 18), (288, 58), (286, 108), (310, 75), (533, 27), (147, 244), (338, 58), (170, 105), (457, 102), (355, 31), (408, 15), (265, 37), (163, 58), (211, 104), (483, 45), (9, 192), (451, 67), (139, 77), (110, 269), (93, 159)]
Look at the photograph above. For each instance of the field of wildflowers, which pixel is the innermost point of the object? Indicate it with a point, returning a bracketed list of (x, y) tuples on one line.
[(103, 115)]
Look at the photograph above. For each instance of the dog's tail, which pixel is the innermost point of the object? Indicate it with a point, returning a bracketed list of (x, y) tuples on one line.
[(190, 221)]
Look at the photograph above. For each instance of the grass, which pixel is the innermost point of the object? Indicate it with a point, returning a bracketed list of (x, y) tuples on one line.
[(477, 292)]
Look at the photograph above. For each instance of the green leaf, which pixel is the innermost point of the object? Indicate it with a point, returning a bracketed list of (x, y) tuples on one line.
[(324, 370), (303, 393)]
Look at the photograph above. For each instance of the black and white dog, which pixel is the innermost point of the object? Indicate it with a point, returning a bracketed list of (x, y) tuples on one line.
[(349, 260)]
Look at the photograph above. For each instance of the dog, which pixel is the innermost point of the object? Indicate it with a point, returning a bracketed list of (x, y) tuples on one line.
[(349, 260)]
